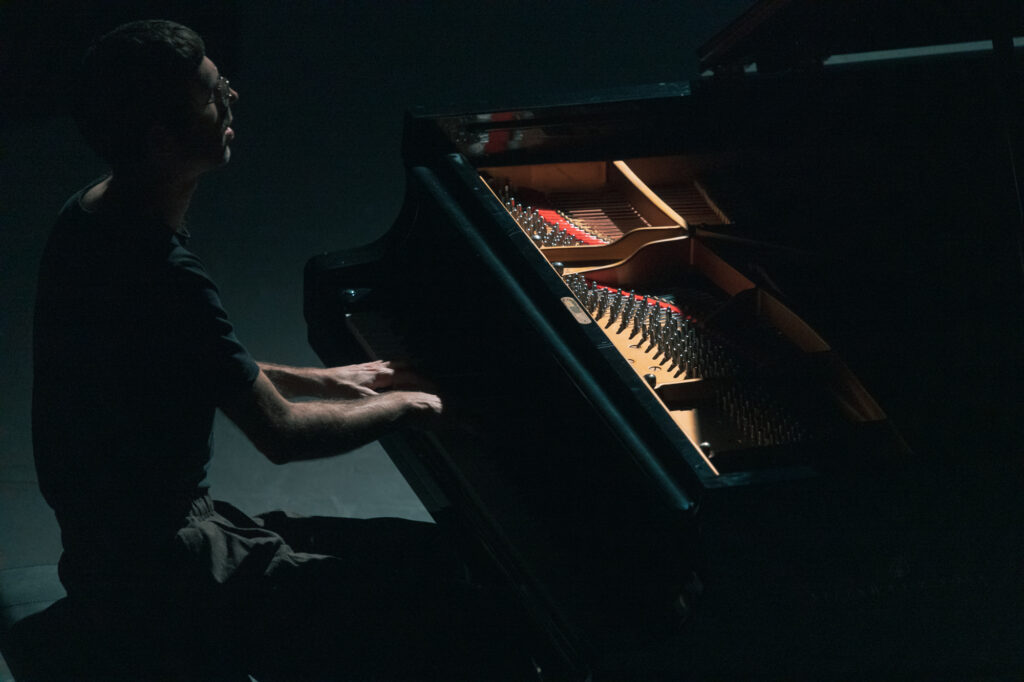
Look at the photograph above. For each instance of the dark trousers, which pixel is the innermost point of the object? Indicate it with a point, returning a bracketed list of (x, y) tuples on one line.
[(302, 598)]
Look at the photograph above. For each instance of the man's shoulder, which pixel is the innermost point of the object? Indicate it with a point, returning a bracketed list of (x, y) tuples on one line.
[(71, 215), (186, 267), (79, 198), (75, 207)]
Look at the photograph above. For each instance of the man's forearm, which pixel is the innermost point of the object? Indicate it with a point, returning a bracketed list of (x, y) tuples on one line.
[(287, 431), (294, 382), (323, 428)]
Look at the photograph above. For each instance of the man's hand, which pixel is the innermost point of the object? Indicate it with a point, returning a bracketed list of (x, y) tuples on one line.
[(369, 378), (356, 381), (343, 383), (424, 408)]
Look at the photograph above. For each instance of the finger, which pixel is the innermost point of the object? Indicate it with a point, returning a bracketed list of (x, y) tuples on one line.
[(382, 377)]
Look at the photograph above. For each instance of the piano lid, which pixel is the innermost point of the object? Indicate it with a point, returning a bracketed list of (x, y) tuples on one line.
[(783, 34)]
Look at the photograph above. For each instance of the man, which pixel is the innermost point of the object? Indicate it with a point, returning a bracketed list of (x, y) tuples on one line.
[(133, 354)]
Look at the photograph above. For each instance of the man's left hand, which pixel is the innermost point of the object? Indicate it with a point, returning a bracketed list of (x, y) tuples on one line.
[(369, 378)]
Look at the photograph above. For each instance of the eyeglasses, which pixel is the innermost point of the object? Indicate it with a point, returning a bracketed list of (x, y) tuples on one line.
[(222, 94)]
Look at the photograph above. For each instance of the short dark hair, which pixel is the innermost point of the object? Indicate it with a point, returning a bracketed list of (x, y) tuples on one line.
[(139, 74)]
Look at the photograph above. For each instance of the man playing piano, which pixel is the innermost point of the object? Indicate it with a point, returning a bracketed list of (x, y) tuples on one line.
[(133, 354)]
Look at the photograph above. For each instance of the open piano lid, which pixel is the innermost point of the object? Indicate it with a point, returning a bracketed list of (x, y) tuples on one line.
[(782, 34)]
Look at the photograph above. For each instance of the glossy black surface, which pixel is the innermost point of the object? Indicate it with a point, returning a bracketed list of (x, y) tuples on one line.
[(784, 34), (879, 201)]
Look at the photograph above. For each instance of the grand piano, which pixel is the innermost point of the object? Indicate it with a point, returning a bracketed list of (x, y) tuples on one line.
[(732, 365)]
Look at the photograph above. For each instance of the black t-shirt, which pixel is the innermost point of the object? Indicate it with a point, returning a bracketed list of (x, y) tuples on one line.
[(133, 353)]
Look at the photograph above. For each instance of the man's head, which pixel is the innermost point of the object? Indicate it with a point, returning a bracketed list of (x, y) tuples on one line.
[(144, 82)]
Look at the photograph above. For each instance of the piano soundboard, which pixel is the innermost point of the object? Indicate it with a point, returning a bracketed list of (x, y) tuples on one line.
[(739, 372)]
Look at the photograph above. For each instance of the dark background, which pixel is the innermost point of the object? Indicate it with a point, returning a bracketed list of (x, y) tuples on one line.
[(315, 167)]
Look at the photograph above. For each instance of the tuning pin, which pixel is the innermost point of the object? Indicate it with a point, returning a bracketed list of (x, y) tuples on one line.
[(635, 321), (602, 302), (613, 307)]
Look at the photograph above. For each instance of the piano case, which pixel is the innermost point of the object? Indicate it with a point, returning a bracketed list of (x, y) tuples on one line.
[(653, 440)]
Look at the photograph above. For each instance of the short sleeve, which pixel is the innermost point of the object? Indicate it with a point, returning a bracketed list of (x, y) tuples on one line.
[(219, 363)]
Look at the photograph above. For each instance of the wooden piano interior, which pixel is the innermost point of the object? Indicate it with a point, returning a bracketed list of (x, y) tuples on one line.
[(742, 376)]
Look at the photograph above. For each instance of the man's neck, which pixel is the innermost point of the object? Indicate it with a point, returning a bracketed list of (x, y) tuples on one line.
[(147, 195)]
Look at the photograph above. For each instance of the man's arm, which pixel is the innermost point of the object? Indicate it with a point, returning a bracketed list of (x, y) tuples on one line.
[(330, 383), (285, 431)]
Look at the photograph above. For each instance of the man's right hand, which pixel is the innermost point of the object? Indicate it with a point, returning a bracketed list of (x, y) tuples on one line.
[(425, 408)]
